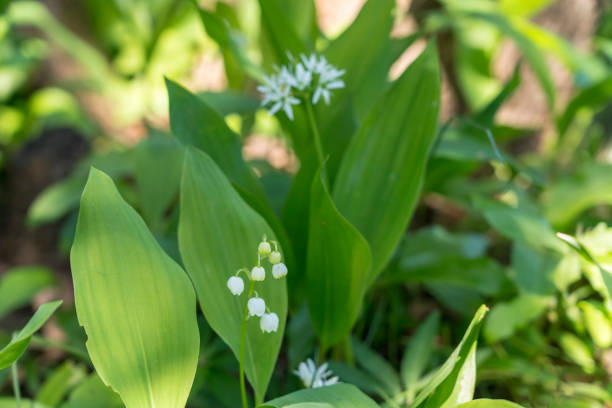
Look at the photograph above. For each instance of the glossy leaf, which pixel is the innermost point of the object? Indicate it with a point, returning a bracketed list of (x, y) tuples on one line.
[(18, 285), (380, 177), (197, 124), (136, 304), (219, 234), (442, 387), (337, 396), (337, 267), (12, 351), (507, 317)]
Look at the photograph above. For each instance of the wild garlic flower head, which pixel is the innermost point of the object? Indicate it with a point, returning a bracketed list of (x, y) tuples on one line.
[(307, 77), (313, 377), (269, 322), (235, 285)]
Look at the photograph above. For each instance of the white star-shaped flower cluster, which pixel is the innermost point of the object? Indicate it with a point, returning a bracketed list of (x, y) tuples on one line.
[(310, 77)]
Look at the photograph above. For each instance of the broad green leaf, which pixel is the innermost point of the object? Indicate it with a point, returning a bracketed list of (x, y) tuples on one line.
[(418, 352), (18, 285), (303, 17), (337, 396), (157, 185), (377, 367), (442, 386), (565, 200), (57, 385), (381, 175), (489, 403), (12, 351), (218, 234), (597, 95), (533, 269), (507, 317), (92, 393), (195, 123), (280, 30), (136, 304), (338, 264)]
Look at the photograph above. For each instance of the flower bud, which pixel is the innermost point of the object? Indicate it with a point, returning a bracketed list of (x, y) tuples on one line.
[(264, 248), (275, 257), (258, 273), (256, 306), (269, 322), (279, 270), (235, 285)]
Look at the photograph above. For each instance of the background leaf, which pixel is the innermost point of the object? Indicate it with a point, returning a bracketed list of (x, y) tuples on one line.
[(18, 285), (12, 351), (219, 234), (135, 303)]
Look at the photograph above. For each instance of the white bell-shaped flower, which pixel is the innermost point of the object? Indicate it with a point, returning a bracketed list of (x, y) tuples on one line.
[(269, 322), (256, 306), (264, 248), (275, 257), (279, 270), (235, 285), (258, 273)]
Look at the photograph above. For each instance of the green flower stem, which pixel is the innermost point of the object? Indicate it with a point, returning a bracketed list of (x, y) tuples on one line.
[(16, 390), (315, 131), (242, 342)]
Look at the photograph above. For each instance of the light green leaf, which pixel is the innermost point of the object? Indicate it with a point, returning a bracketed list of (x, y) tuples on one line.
[(443, 384), (12, 351), (577, 350), (337, 267), (18, 285), (59, 383), (195, 123), (418, 351), (135, 303), (92, 393), (218, 234), (597, 322), (227, 102), (337, 396), (489, 403), (381, 175), (507, 317)]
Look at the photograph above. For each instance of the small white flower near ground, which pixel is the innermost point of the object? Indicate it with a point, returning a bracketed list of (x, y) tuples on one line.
[(313, 377)]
